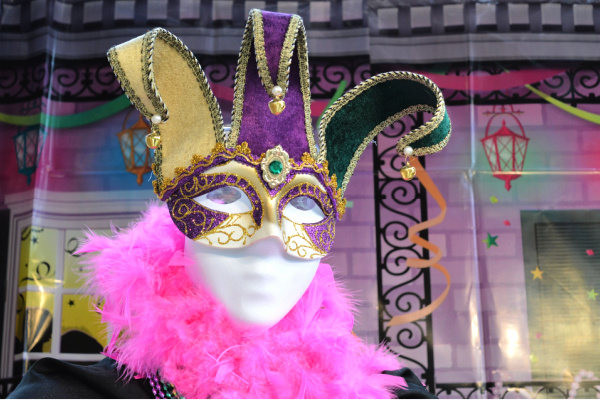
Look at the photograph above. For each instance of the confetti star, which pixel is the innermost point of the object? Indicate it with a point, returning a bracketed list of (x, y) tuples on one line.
[(493, 199), (349, 204), (71, 303), (592, 294), (537, 273), (589, 252), (506, 222), (34, 240), (490, 241), (533, 358)]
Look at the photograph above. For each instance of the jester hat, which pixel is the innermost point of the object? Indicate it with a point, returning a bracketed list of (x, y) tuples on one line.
[(267, 173)]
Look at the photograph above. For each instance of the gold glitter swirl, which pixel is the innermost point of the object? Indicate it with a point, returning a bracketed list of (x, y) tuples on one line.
[(236, 228), (298, 240)]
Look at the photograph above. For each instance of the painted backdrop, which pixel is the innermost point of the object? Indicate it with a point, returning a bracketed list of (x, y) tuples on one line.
[(518, 183)]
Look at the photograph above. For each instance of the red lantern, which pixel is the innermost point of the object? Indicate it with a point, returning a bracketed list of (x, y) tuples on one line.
[(505, 149)]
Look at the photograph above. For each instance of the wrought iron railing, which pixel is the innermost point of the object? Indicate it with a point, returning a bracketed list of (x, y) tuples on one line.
[(7, 385), (533, 389)]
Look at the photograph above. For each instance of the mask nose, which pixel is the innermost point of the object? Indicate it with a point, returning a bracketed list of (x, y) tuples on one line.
[(270, 229)]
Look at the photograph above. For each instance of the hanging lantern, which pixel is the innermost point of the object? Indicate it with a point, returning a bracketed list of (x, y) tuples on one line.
[(133, 146), (505, 150), (28, 148)]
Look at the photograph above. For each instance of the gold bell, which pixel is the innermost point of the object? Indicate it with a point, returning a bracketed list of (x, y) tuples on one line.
[(408, 172), (277, 106), (152, 140)]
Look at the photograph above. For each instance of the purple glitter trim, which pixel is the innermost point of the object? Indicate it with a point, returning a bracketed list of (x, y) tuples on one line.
[(322, 233), (222, 159), (194, 219), (320, 177), (306, 189)]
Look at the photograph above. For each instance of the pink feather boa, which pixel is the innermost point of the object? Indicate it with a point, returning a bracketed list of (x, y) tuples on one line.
[(161, 322)]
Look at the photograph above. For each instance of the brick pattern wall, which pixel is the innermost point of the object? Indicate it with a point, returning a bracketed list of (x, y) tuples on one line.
[(483, 322)]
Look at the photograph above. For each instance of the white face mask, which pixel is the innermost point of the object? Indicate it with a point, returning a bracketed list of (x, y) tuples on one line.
[(258, 284)]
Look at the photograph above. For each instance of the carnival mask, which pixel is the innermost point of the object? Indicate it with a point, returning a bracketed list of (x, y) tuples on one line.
[(266, 186), (228, 191)]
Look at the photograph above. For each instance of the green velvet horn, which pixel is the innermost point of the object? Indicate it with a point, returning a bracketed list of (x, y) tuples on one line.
[(352, 122)]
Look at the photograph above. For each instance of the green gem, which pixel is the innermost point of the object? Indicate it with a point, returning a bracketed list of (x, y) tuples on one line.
[(275, 167)]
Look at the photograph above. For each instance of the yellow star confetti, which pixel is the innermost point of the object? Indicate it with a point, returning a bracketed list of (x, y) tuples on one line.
[(533, 358), (493, 199), (537, 273), (592, 294)]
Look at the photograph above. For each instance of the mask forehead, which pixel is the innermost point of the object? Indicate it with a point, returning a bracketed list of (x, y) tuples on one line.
[(252, 174)]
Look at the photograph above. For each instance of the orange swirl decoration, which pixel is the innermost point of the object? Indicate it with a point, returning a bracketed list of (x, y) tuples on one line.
[(413, 236)]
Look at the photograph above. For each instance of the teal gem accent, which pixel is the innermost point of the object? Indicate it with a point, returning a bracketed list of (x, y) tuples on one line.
[(275, 167)]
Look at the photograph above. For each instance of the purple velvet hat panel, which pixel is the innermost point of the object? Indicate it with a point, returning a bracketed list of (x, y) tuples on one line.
[(261, 129)]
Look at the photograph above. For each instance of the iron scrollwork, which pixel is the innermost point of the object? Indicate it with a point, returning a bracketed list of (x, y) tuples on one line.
[(526, 390), (63, 80), (401, 289), (326, 74), (575, 83)]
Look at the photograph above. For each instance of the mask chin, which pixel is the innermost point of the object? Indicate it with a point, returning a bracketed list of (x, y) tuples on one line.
[(257, 284)]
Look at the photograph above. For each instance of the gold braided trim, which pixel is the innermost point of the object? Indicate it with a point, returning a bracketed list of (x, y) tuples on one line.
[(148, 74), (150, 84), (285, 57), (240, 86), (410, 137), (113, 60), (423, 151), (157, 164), (373, 133), (242, 150), (305, 88)]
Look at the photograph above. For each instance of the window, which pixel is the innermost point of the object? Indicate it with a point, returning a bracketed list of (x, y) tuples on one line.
[(561, 251)]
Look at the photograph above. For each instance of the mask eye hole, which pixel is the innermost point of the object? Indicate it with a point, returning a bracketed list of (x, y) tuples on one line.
[(303, 210), (224, 195), (227, 199)]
